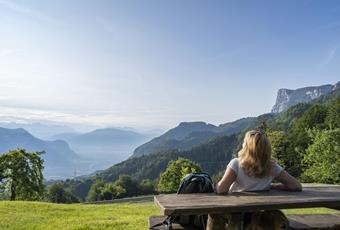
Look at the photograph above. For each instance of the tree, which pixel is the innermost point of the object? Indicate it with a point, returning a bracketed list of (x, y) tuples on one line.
[(333, 114), (95, 192), (57, 193), (263, 126), (146, 187), (174, 173), (322, 159), (129, 184), (279, 143), (125, 186), (298, 137), (113, 191), (21, 174)]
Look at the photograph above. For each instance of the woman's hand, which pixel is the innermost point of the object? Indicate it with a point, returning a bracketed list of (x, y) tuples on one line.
[(224, 184), (277, 187), (289, 182)]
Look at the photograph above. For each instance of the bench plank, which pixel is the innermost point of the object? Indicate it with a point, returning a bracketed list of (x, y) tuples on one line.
[(314, 221), (314, 196), (296, 222)]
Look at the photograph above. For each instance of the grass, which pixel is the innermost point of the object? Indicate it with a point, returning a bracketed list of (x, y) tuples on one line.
[(310, 211), (39, 215), (47, 216)]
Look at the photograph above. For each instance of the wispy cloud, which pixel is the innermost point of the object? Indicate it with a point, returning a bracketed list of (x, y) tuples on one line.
[(7, 52), (26, 10), (26, 115), (331, 54)]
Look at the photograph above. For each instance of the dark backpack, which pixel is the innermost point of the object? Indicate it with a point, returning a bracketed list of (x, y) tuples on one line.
[(196, 183), (191, 183)]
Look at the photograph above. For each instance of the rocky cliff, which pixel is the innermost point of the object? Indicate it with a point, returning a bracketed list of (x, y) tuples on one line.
[(287, 97)]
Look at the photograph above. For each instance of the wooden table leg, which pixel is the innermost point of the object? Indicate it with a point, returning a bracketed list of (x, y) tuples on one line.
[(216, 222), (235, 221)]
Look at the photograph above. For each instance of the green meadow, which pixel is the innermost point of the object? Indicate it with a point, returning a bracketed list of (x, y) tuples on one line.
[(45, 216)]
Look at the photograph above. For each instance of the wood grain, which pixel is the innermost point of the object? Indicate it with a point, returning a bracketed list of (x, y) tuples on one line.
[(296, 222), (314, 221), (312, 196)]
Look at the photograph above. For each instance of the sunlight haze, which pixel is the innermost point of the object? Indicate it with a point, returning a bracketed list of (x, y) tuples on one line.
[(153, 64)]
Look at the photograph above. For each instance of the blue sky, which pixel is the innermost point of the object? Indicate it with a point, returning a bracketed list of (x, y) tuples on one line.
[(152, 64)]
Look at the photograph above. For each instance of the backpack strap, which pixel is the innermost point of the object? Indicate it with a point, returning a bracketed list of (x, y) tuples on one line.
[(203, 221), (167, 223)]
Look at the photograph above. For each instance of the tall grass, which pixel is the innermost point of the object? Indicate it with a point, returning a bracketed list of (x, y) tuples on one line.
[(46, 216)]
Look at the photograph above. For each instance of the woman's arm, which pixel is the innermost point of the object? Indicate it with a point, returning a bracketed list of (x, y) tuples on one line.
[(224, 184), (288, 182)]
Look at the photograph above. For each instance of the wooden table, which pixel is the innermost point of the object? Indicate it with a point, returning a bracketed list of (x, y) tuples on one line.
[(188, 204)]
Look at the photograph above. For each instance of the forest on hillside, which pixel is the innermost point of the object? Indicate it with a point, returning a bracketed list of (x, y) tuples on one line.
[(305, 141)]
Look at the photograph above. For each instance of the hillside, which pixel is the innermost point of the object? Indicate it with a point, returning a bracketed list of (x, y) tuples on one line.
[(59, 158), (189, 134), (284, 119), (213, 156)]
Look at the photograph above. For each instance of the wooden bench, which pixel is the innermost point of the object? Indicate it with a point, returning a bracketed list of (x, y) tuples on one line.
[(314, 221), (312, 196), (296, 222)]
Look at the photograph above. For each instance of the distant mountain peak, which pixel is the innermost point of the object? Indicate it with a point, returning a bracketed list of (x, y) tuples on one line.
[(197, 124), (18, 131), (189, 134), (288, 97), (40, 130), (58, 156), (192, 122)]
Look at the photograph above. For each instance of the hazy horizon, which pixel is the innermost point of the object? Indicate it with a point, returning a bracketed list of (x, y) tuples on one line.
[(152, 64)]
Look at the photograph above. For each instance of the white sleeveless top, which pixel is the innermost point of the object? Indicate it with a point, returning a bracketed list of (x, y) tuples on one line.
[(246, 183)]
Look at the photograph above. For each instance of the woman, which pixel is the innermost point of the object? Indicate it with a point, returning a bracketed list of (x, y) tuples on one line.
[(254, 169)]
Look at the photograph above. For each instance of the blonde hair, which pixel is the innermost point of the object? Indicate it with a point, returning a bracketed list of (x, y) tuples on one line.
[(255, 155)]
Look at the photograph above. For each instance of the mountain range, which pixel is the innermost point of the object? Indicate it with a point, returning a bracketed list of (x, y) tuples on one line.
[(39, 130), (59, 159), (104, 147), (70, 153), (188, 134), (212, 152)]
